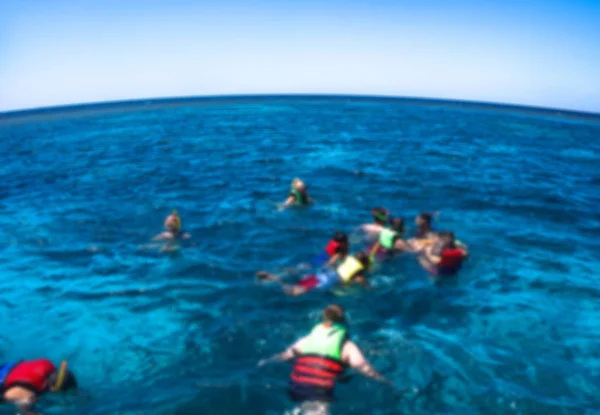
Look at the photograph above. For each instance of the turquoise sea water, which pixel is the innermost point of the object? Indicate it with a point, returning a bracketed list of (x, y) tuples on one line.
[(83, 189)]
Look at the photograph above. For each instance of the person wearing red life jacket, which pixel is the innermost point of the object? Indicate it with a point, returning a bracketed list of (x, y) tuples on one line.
[(320, 361), (336, 250), (23, 383), (445, 257)]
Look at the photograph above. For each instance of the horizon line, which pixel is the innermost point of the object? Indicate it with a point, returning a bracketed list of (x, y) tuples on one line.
[(448, 102)]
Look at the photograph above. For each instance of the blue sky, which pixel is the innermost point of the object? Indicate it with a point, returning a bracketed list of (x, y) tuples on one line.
[(542, 52)]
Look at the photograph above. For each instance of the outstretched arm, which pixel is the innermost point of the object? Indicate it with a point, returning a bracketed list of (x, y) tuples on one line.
[(355, 359), (286, 355)]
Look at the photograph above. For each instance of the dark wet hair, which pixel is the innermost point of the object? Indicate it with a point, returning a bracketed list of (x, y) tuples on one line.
[(340, 237), (397, 224), (426, 217), (335, 314), (380, 215), (447, 239), (364, 259), (69, 381)]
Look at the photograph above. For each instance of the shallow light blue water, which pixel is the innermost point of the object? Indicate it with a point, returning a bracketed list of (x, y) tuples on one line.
[(148, 333)]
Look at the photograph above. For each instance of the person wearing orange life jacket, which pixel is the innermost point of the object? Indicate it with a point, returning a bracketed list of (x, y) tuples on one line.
[(320, 360), (445, 257), (351, 270), (23, 383)]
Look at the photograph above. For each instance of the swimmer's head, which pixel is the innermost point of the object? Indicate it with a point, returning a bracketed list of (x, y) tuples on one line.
[(397, 225), (298, 185), (341, 238), (424, 220), (380, 215), (173, 222), (62, 380), (334, 314), (364, 259), (447, 240)]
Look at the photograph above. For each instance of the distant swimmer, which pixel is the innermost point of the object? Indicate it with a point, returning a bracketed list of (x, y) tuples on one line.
[(336, 250), (380, 219), (445, 257), (173, 229), (390, 241), (298, 194), (321, 359), (352, 270), (23, 383)]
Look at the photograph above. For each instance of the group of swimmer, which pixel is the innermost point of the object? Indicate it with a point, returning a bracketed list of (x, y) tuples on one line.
[(322, 356)]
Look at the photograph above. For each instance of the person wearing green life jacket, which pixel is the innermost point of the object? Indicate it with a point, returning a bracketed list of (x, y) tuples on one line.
[(321, 358), (352, 269), (390, 241), (372, 230), (298, 195)]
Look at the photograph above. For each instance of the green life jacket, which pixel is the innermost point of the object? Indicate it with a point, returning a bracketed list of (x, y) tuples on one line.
[(386, 238), (326, 341), (301, 198)]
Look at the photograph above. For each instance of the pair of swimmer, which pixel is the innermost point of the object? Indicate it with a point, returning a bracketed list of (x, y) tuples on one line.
[(439, 253)]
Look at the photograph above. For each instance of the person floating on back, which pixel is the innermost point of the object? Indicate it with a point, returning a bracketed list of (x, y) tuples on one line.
[(336, 250), (380, 219), (23, 383), (298, 195), (173, 229), (351, 270), (445, 257), (321, 358)]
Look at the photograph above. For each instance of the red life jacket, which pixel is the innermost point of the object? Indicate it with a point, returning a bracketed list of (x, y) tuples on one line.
[(314, 377), (332, 248), (451, 258), (32, 375)]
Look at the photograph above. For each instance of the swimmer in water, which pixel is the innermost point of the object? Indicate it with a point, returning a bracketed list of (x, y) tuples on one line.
[(298, 195), (424, 228), (173, 229), (352, 270), (320, 359), (445, 256), (336, 250), (23, 383), (380, 219), (390, 241)]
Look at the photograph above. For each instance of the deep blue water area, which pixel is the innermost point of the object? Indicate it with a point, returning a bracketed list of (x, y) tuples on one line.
[(82, 191)]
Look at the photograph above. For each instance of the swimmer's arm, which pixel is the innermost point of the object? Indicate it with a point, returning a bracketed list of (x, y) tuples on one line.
[(289, 201), (401, 245), (333, 259), (352, 355), (434, 259), (161, 237), (288, 354)]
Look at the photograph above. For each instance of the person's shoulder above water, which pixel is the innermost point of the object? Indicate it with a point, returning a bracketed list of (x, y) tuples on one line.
[(298, 194), (173, 229)]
